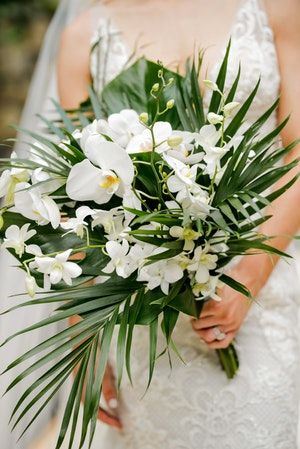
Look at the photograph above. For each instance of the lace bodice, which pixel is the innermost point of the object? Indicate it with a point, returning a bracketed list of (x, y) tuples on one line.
[(196, 407)]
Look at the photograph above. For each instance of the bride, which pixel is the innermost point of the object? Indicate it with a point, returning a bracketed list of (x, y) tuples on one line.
[(195, 406)]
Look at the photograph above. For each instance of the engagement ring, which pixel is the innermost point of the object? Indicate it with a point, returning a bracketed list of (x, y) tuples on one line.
[(218, 333)]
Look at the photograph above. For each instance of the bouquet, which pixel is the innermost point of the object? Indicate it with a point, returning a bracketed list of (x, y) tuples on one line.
[(155, 195)]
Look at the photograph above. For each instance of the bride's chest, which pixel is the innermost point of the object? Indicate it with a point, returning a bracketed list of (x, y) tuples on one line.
[(252, 47)]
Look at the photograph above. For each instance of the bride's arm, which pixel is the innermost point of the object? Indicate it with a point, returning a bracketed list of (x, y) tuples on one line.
[(254, 271), (73, 74)]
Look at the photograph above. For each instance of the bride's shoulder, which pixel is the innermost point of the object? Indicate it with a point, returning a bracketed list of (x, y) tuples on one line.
[(77, 31), (284, 16)]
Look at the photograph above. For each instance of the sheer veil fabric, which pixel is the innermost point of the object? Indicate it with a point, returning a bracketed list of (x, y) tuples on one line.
[(43, 87)]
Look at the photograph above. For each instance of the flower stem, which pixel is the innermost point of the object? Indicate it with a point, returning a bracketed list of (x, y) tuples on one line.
[(229, 360)]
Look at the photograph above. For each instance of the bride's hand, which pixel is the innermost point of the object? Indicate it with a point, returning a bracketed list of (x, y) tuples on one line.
[(228, 314), (109, 416)]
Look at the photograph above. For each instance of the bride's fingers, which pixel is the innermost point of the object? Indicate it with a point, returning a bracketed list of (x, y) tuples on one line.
[(109, 389), (211, 308), (107, 418), (205, 323)]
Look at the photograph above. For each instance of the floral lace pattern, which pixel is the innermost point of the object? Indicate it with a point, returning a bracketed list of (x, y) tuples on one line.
[(194, 406)]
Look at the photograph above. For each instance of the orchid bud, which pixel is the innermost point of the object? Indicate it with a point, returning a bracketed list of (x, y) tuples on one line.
[(1, 221), (170, 104), (144, 117), (174, 141), (30, 285), (214, 119), (210, 84), (230, 107), (155, 87)]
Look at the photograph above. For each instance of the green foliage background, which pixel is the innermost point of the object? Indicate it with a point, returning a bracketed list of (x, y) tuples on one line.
[(22, 26)]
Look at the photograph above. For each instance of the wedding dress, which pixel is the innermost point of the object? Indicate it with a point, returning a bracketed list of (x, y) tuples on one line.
[(195, 406)]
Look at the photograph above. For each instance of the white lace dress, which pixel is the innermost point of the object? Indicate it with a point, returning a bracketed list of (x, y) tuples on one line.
[(195, 406)]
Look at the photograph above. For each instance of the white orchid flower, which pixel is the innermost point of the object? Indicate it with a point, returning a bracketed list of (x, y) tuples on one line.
[(112, 174), (207, 289), (106, 218), (125, 125), (118, 253), (218, 241), (37, 157), (77, 134), (187, 234), (9, 180), (113, 222), (33, 249), (31, 204), (161, 274), (212, 158), (16, 237), (184, 151), (44, 183), (184, 176), (98, 129), (139, 254), (57, 268), (78, 223), (202, 263), (144, 142), (195, 202), (207, 137)]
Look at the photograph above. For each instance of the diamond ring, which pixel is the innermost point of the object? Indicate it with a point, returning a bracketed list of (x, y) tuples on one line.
[(218, 333)]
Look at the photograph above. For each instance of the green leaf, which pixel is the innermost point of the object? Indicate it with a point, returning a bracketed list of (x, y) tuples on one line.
[(238, 118), (185, 303), (170, 317), (232, 91), (104, 352), (70, 359), (132, 320), (152, 349), (57, 352), (196, 95), (97, 108), (220, 81), (64, 116), (73, 402), (87, 412), (121, 343), (235, 285), (51, 395)]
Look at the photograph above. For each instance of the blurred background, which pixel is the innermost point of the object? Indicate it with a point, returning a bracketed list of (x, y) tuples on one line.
[(23, 24)]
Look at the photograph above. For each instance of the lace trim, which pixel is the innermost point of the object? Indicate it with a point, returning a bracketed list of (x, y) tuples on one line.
[(109, 54)]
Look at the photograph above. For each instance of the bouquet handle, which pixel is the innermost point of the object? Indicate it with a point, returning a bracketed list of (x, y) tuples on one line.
[(229, 360)]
